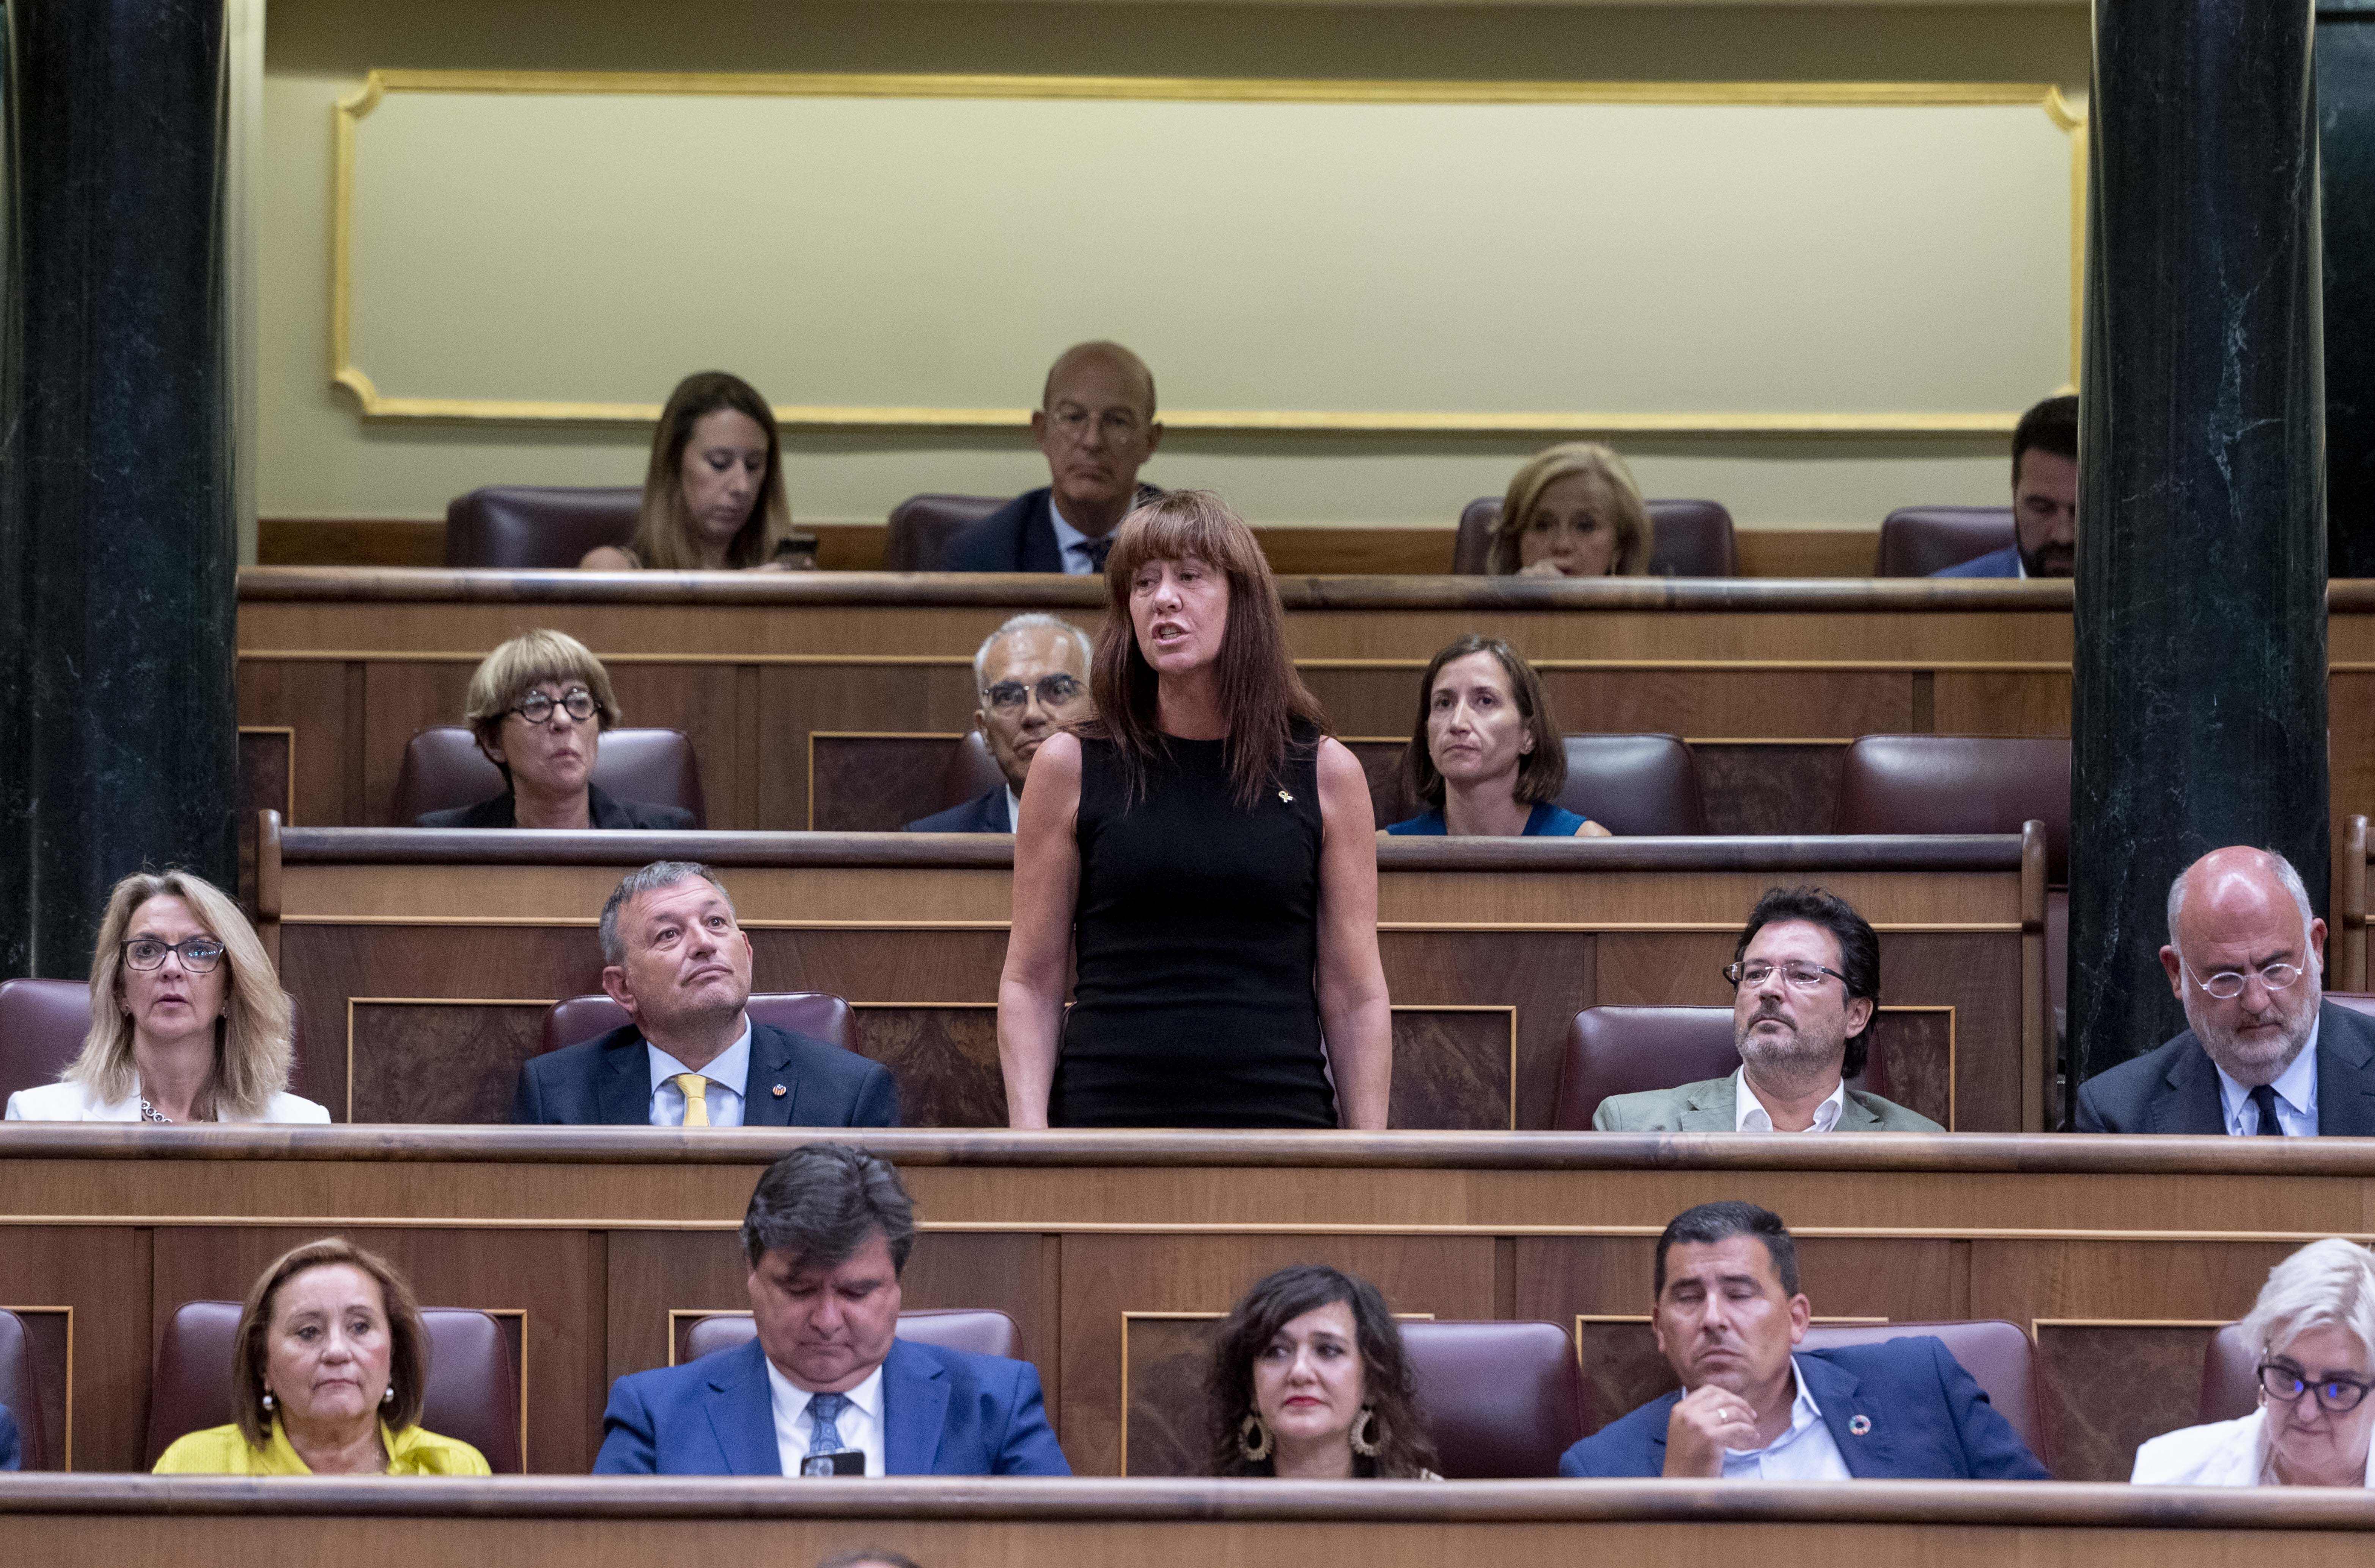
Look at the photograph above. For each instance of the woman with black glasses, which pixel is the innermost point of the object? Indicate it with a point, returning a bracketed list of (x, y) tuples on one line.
[(2313, 1329), (188, 1022), (539, 705)]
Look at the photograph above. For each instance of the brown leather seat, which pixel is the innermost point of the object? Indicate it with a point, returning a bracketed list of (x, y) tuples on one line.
[(1959, 783), (20, 1392), (983, 1332), (42, 1027), (1633, 784), (1630, 1050), (443, 768), (971, 772), (2230, 1375), (1502, 1400), (473, 1393), (1687, 538), (817, 1014), (519, 527), (1917, 540), (922, 525), (1997, 1354)]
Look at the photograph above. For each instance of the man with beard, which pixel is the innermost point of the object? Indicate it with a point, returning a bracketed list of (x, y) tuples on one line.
[(1728, 1316), (1806, 984), (2266, 1055), (2044, 498)]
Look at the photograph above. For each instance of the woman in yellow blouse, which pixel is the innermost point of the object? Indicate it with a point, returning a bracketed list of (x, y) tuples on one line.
[(327, 1378)]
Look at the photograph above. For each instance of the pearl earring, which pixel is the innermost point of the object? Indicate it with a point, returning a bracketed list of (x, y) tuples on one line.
[(267, 1398), (389, 1397)]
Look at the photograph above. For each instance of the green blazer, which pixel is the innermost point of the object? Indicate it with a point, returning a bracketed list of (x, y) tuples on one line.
[(1711, 1106)]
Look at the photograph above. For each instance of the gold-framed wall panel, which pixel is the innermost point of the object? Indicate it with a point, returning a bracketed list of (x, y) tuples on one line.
[(378, 83)]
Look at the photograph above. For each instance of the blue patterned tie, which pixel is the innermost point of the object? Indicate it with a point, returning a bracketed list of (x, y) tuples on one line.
[(823, 1410)]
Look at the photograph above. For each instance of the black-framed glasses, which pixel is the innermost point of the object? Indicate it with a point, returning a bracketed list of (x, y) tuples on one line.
[(2335, 1396), (1052, 689), (577, 702), (1797, 976), (2228, 983), (199, 954)]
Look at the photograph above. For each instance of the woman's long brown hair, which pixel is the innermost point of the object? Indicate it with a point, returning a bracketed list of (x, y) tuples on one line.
[(1262, 696)]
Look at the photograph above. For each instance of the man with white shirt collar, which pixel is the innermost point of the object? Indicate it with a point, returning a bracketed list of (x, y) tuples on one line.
[(679, 962), (1805, 978), (1032, 678), (2266, 1055), (1728, 1316), (825, 1386)]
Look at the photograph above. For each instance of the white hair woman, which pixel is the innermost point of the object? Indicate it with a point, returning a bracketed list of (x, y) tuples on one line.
[(2312, 1328), (188, 1022)]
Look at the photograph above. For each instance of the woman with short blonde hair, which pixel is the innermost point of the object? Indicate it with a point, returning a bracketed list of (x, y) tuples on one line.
[(188, 1022), (714, 489), (1573, 511)]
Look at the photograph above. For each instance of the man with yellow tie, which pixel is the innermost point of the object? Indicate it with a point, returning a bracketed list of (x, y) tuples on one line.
[(677, 959)]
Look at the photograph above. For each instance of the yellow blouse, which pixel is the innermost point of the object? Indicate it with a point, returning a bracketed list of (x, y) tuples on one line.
[(222, 1451)]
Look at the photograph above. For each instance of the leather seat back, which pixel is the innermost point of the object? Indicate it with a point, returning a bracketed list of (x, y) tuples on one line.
[(1959, 783), (817, 1014), (443, 768), (980, 1331), (473, 1394), (922, 525), (1997, 1354), (1633, 784), (1502, 1400), (971, 771), (523, 527), (21, 1391), (2231, 1376), (1687, 538), (1631, 1050), (1916, 541), (42, 1024)]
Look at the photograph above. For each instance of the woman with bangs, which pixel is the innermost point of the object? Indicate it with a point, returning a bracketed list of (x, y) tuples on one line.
[(1205, 855)]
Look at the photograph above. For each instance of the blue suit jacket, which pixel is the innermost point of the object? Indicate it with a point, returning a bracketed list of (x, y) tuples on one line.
[(606, 1082), (2175, 1089), (2005, 562), (945, 1413), (985, 813), (1018, 536), (1928, 1419), (9, 1460)]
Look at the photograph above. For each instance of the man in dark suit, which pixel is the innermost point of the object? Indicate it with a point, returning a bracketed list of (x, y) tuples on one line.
[(826, 1388), (9, 1458), (1032, 676), (680, 964), (1096, 427), (1727, 1315), (2044, 498), (2265, 1055)]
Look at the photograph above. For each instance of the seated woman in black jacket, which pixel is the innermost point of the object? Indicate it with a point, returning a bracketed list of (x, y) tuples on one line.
[(539, 705)]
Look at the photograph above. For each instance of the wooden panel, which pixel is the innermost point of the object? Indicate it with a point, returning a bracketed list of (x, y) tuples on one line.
[(700, 699), (945, 1059), (319, 701), (793, 702), (1807, 553), (265, 782), (1166, 1364), (1391, 798), (1454, 1068), (49, 1347), (2000, 703), (1768, 789), (400, 701), (101, 1280), (439, 1063), (876, 783), (2107, 1388), (1784, 703), (1544, 976), (1917, 1047)]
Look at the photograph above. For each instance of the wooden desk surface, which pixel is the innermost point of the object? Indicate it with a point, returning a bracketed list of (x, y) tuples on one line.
[(622, 1522)]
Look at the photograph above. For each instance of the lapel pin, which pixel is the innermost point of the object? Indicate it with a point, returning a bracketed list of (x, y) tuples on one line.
[(1287, 797), (779, 1094), (1858, 1425)]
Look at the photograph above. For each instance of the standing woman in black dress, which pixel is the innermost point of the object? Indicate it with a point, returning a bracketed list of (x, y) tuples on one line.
[(1207, 855)]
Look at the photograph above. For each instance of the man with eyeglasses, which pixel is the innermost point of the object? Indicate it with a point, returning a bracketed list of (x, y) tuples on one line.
[(1095, 425), (2266, 1055), (1805, 978), (1032, 675)]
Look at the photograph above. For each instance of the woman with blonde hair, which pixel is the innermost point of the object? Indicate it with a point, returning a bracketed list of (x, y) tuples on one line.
[(188, 1022), (1205, 855), (1573, 511), (714, 490), (327, 1378), (539, 705)]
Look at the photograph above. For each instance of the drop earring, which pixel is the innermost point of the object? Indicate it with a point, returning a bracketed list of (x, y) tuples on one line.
[(388, 1397), (1366, 1435), (1253, 1439), (267, 1399)]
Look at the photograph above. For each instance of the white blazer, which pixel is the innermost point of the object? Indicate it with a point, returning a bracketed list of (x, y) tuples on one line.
[(2222, 1453), (74, 1102)]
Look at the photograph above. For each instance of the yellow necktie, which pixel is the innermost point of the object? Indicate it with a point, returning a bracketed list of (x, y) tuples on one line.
[(696, 1098)]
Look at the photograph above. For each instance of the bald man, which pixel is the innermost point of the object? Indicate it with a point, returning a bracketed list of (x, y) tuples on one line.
[(2266, 1056), (1096, 428)]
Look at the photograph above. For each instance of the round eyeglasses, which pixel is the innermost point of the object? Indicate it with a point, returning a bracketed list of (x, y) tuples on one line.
[(198, 954), (1797, 976), (1052, 689), (2228, 983), (537, 706), (2335, 1396)]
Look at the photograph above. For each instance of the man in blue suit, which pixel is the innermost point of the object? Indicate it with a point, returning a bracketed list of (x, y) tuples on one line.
[(1096, 427), (1032, 676), (826, 1388), (2044, 499), (1727, 1315), (675, 959)]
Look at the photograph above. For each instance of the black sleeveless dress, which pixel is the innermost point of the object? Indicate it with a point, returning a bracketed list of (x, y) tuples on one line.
[(1195, 933)]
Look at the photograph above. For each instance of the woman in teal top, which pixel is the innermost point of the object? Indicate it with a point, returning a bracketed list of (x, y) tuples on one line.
[(1485, 753)]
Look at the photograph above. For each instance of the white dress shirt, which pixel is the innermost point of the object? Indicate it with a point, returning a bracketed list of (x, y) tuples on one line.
[(74, 1102), (2296, 1089), (1071, 545), (1013, 810), (728, 1074), (2221, 1453), (1805, 1452), (1749, 1114), (859, 1423)]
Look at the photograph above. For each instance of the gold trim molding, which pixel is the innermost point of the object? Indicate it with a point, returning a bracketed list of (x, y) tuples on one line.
[(1898, 425)]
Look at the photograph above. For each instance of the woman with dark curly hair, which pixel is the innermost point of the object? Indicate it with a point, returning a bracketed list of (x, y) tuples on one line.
[(1309, 1381)]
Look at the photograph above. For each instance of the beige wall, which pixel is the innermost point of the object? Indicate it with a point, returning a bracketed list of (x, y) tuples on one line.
[(318, 457)]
